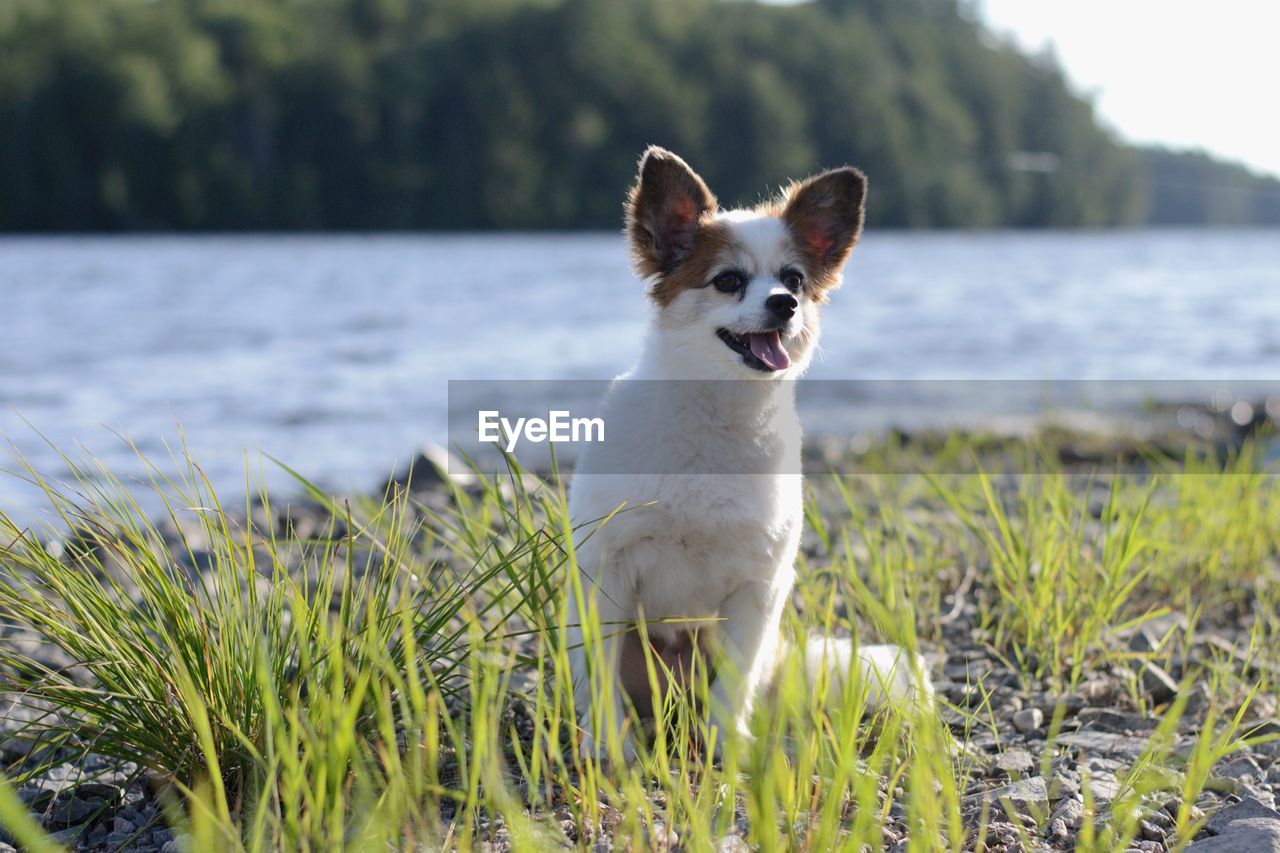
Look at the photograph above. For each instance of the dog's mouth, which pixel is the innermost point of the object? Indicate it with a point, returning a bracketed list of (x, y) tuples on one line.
[(759, 350)]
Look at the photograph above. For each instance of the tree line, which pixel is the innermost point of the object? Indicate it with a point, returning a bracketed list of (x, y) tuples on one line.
[(409, 114)]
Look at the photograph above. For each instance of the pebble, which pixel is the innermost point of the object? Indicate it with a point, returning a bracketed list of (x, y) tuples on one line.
[(1028, 720), (661, 837), (73, 810), (1243, 768), (1025, 796), (1158, 684), (732, 844), (1104, 743), (1015, 762), (1247, 809), (1244, 826), (1069, 812)]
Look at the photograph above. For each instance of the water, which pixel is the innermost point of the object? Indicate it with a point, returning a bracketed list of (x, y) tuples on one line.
[(332, 352)]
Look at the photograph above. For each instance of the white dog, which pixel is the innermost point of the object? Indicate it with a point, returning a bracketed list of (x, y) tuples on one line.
[(704, 448)]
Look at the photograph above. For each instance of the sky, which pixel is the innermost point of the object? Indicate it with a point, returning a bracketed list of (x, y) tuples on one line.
[(1186, 73)]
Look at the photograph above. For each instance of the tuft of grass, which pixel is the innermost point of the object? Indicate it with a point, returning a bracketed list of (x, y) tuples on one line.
[(396, 676)]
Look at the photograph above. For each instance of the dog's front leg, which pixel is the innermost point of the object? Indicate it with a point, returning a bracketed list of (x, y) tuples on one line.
[(749, 632), (594, 643)]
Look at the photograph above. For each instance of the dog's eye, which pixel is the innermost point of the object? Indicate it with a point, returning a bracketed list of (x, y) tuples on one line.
[(728, 282), (791, 279)]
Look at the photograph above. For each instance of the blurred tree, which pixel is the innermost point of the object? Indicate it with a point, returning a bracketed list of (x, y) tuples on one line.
[(237, 114)]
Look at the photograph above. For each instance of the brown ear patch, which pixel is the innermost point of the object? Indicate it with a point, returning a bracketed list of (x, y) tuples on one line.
[(713, 243), (664, 210), (824, 215)]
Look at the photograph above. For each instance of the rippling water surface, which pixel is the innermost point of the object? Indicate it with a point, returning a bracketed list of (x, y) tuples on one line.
[(332, 352)]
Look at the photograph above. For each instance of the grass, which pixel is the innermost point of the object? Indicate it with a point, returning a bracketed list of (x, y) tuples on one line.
[(397, 678)]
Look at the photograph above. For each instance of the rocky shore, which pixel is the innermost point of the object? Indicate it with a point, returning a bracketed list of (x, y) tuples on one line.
[(1046, 763)]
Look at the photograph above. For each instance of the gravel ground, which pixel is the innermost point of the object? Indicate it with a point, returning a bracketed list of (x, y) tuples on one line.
[(1002, 720)]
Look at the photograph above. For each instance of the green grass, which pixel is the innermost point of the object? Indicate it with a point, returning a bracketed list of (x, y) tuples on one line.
[(409, 687)]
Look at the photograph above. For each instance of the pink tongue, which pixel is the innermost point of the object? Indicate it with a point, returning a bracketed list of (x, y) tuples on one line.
[(767, 347)]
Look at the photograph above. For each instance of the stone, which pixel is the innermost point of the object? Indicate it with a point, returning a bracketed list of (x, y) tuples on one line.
[(1103, 787), (661, 837), (1097, 691), (66, 837), (1103, 743), (1064, 783), (1242, 768), (1247, 809), (1158, 684), (1246, 825), (1107, 720), (1144, 641), (1069, 812), (1028, 720), (73, 810), (1261, 836), (732, 844), (1025, 797), (35, 797), (1015, 762), (97, 790), (434, 468), (1199, 699)]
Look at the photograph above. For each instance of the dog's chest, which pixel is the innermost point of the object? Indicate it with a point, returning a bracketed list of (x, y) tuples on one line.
[(696, 528), (699, 541)]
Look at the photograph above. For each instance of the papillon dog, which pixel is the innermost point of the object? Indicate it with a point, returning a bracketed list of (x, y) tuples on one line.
[(704, 459)]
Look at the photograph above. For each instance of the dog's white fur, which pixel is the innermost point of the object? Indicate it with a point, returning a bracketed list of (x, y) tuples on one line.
[(700, 542)]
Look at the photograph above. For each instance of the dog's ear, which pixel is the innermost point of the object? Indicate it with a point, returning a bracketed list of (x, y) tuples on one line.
[(663, 211), (824, 215)]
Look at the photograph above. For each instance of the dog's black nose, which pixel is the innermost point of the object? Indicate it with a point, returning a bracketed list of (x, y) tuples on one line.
[(782, 305)]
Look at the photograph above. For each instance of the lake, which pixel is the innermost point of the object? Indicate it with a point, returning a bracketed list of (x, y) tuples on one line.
[(332, 352)]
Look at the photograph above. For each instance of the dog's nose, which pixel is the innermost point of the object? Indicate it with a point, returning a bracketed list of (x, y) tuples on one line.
[(782, 305)]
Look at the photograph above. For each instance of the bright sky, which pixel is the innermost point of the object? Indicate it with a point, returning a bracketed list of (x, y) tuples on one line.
[(1189, 73)]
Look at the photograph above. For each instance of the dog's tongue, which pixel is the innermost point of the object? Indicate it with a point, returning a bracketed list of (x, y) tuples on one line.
[(767, 347)]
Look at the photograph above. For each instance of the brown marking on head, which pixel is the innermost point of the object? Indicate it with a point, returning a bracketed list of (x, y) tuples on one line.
[(824, 215), (713, 243), (664, 209)]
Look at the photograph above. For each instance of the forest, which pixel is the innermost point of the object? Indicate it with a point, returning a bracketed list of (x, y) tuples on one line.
[(161, 115)]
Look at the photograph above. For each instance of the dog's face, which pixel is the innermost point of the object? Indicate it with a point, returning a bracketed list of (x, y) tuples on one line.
[(738, 291)]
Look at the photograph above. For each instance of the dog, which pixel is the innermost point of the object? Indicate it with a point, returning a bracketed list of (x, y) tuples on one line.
[(704, 453)]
